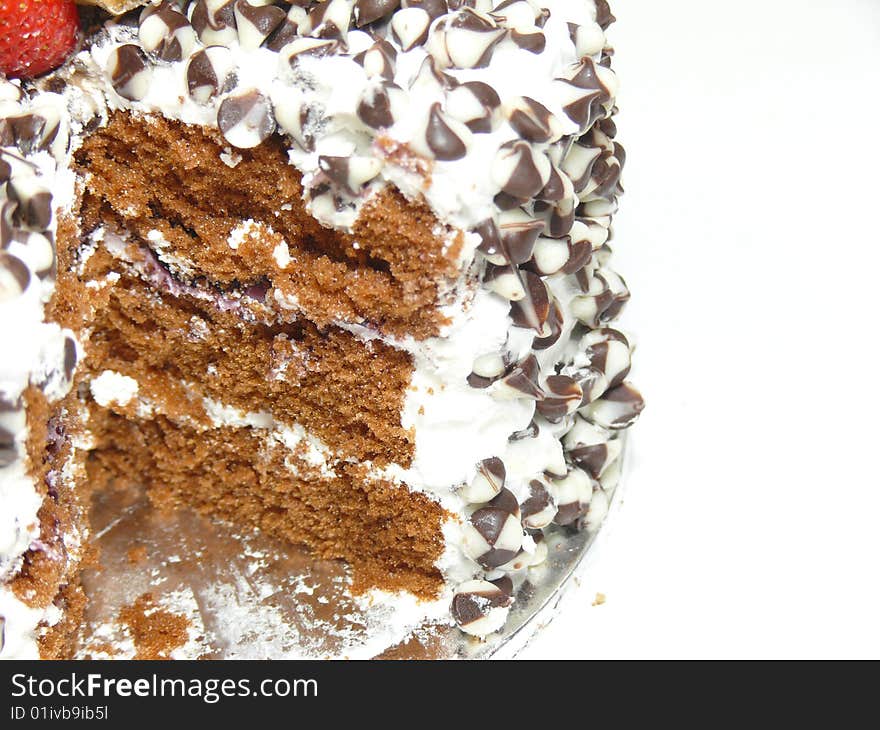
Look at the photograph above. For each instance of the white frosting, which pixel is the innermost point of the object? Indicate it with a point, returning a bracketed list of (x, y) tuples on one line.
[(111, 387)]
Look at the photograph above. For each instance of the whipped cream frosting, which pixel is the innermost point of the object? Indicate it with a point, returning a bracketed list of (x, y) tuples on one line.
[(498, 115)]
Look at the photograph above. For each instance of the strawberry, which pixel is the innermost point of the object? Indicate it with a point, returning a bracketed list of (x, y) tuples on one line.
[(36, 36)]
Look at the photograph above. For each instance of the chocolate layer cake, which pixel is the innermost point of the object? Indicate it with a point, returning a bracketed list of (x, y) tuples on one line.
[(335, 270)]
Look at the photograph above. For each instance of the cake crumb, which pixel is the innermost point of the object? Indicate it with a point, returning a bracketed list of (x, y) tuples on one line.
[(155, 631), (599, 599), (136, 554)]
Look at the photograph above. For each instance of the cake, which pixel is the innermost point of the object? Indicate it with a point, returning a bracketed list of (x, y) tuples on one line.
[(336, 271)]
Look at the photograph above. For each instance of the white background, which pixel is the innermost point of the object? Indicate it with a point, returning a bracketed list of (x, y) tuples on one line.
[(750, 237)]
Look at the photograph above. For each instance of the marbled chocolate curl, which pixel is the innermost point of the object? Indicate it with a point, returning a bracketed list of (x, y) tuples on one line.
[(519, 170), (166, 33), (618, 408), (15, 277), (591, 447), (256, 22), (473, 103), (539, 509), (409, 27), (493, 535), (487, 483), (130, 72), (445, 137), (246, 120), (209, 73), (521, 381), (532, 121), (464, 39), (573, 496), (214, 21), (480, 607), (369, 11), (562, 397)]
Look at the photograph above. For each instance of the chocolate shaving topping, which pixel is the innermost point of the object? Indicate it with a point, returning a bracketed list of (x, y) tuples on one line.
[(441, 140), (369, 11)]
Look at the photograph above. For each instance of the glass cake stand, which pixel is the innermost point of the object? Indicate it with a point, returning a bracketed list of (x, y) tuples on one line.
[(248, 596)]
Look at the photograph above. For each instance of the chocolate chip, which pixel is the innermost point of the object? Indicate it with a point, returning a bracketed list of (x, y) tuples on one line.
[(480, 607), (130, 72), (434, 8), (493, 535), (473, 103), (488, 482), (441, 140), (464, 39), (409, 27), (210, 72), (534, 309), (562, 397), (618, 408), (603, 14), (70, 357), (539, 508), (522, 381), (255, 23), (8, 450), (532, 120), (519, 170), (369, 11), (214, 21), (573, 496), (533, 42), (246, 120), (375, 109), (166, 33), (15, 277)]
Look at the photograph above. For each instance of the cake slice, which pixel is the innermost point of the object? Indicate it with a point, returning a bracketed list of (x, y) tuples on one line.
[(336, 271)]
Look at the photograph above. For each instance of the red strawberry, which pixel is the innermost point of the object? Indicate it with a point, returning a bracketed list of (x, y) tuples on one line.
[(36, 36)]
